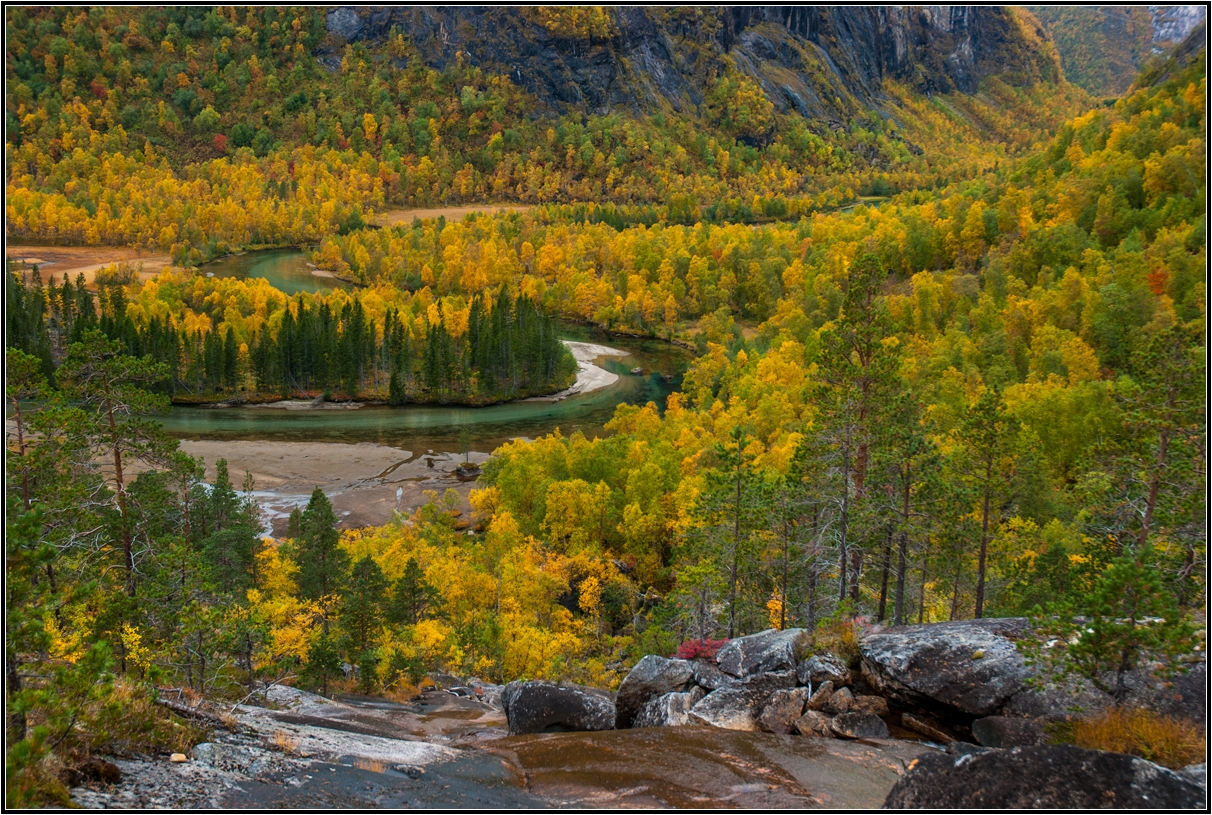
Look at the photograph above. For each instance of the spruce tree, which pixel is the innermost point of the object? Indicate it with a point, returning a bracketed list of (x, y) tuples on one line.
[(323, 564)]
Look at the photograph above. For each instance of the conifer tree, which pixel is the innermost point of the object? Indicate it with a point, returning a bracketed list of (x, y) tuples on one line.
[(323, 564)]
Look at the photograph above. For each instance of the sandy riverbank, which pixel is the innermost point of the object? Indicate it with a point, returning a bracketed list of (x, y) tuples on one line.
[(74, 260), (590, 377), (367, 483)]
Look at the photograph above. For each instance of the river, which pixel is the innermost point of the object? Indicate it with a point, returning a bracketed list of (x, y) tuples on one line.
[(428, 427), (287, 270), (376, 460)]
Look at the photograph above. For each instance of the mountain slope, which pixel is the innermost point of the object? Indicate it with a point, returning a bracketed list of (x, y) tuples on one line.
[(821, 62), (1102, 48)]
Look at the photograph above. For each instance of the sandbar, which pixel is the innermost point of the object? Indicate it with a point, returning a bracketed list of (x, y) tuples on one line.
[(590, 377)]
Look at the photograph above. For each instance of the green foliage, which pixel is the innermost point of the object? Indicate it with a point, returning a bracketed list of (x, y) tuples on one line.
[(737, 106), (412, 598), (1126, 620), (323, 662), (323, 564), (362, 612)]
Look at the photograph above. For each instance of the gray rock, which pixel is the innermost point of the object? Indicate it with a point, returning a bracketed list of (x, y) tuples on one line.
[(1198, 773), (645, 63), (231, 757), (839, 702), (856, 725), (781, 712), (668, 710), (652, 676), (537, 707), (823, 668), (768, 651), (1049, 777), (1183, 696), (729, 708), (926, 728), (767, 683), (1069, 698), (972, 666), (710, 677), (820, 697), (737, 706), (1004, 731), (870, 704), (816, 724)]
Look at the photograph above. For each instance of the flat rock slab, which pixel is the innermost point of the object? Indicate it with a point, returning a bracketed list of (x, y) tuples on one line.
[(702, 767), (972, 666), (1051, 777)]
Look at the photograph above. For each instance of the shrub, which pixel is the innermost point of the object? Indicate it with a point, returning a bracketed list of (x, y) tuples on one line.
[(1160, 739), (699, 649)]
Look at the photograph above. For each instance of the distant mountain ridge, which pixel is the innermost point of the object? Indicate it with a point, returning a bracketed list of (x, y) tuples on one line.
[(824, 62)]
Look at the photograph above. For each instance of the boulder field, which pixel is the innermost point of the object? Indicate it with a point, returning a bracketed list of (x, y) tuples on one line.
[(951, 681)]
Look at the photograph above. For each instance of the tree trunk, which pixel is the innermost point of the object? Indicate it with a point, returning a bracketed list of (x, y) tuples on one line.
[(921, 598), (783, 588), (736, 556), (980, 565), (127, 545), (959, 567), (902, 558), (856, 566), (884, 575), (1154, 488), (812, 599), (841, 567), (15, 724)]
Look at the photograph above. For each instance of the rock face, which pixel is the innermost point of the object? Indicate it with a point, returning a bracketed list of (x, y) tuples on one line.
[(823, 668), (762, 653), (1053, 777), (972, 666), (1004, 731), (652, 676), (859, 725), (782, 711), (668, 710), (804, 58), (537, 707)]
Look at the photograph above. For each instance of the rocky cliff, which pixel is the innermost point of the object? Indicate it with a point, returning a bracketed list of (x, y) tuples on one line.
[(825, 62)]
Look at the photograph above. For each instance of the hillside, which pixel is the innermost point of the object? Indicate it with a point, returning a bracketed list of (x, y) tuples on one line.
[(199, 131), (1102, 48), (824, 63)]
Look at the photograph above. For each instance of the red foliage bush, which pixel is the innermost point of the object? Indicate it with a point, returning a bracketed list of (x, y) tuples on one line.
[(699, 649)]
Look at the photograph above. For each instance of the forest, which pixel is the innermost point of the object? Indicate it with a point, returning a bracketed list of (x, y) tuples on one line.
[(978, 391), (225, 339)]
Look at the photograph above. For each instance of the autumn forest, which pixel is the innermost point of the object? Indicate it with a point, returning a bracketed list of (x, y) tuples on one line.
[(949, 358)]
